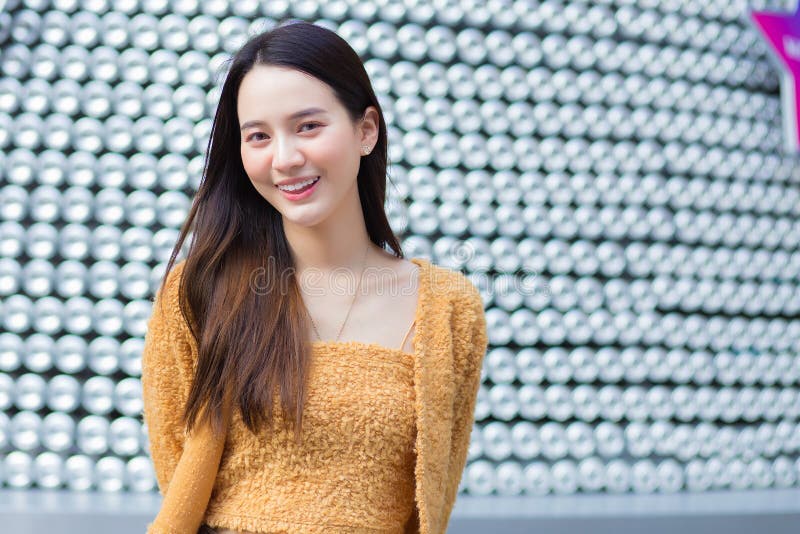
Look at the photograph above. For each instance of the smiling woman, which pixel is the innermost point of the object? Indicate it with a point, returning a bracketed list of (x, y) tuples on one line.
[(262, 416), (303, 156)]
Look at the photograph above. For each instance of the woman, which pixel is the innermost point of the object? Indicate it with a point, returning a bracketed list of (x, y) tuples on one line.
[(275, 399)]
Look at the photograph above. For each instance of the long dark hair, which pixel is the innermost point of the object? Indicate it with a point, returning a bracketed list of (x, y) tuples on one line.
[(253, 343)]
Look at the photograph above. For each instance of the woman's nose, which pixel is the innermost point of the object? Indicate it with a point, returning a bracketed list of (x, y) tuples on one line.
[(286, 156)]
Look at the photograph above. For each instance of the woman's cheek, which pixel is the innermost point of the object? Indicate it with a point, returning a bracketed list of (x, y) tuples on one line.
[(254, 165), (330, 153)]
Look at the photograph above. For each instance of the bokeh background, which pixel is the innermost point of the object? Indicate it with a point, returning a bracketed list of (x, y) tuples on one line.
[(610, 173)]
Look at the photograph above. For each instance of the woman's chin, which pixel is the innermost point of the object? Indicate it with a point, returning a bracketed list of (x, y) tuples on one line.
[(305, 216)]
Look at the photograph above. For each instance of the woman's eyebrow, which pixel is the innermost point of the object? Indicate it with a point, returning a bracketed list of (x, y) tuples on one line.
[(294, 116)]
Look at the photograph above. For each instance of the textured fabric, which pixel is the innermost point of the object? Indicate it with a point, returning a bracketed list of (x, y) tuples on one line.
[(354, 469), (387, 432)]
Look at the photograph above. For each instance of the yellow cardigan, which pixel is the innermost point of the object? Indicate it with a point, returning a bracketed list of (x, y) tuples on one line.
[(450, 342)]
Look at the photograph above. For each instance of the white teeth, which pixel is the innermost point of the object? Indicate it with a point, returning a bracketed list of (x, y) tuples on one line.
[(295, 187)]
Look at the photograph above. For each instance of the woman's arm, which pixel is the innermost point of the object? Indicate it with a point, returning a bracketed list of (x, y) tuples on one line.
[(185, 502), (185, 465), (469, 350)]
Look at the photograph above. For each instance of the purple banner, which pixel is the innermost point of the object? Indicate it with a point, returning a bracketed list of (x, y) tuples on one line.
[(782, 32)]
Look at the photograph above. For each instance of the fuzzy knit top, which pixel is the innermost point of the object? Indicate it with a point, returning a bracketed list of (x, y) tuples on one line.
[(385, 432)]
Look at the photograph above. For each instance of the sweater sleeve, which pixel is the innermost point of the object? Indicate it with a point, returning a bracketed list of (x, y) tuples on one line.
[(470, 344), (185, 464)]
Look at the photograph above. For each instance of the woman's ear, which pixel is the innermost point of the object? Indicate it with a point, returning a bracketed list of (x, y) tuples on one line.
[(368, 128)]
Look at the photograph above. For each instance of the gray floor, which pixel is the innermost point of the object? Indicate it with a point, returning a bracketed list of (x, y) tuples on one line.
[(772, 511)]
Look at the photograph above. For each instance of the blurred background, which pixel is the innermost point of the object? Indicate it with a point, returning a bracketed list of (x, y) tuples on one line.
[(610, 173)]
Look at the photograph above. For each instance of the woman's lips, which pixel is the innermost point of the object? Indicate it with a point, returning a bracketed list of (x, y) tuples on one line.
[(301, 193)]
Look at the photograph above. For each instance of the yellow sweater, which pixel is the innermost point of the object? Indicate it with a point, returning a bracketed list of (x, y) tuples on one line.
[(385, 438)]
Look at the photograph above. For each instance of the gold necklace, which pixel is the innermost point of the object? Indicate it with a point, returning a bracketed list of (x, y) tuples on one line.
[(358, 286)]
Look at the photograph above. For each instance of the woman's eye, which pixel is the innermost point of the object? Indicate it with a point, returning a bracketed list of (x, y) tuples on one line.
[(258, 136), (309, 126)]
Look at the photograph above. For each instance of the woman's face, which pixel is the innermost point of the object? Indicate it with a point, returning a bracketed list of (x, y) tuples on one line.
[(293, 128)]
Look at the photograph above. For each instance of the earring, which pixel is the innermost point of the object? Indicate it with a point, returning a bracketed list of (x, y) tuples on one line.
[(365, 149)]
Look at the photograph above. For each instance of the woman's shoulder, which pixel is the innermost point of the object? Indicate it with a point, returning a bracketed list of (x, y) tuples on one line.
[(166, 300), (169, 287), (461, 311), (175, 275), (446, 286)]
